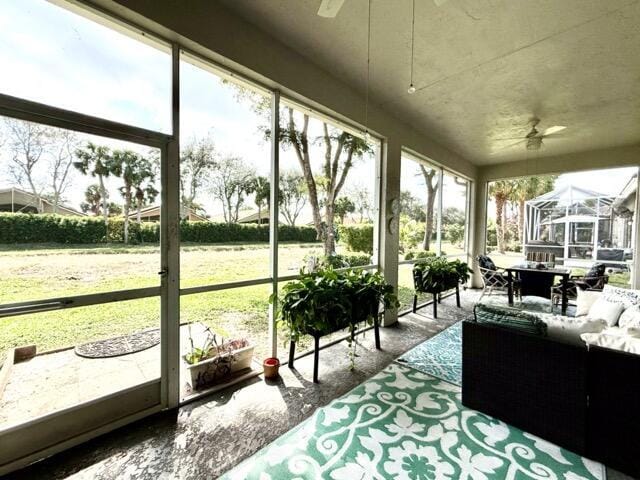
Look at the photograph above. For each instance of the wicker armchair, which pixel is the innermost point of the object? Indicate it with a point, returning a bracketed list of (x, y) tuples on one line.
[(594, 279), (494, 279)]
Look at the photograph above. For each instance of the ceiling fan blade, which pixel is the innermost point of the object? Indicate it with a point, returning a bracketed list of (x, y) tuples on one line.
[(330, 8), (439, 3), (552, 130), (506, 147), (504, 139)]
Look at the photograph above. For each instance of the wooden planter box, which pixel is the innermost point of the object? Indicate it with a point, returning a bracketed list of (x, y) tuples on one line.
[(218, 369)]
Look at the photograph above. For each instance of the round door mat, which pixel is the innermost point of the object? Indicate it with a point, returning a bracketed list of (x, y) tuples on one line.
[(114, 347)]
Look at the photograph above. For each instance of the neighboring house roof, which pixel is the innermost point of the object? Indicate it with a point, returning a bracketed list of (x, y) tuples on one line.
[(154, 211), (17, 201), (253, 217)]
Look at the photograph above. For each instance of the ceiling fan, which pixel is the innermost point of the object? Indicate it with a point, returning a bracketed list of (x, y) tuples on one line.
[(330, 8), (534, 138)]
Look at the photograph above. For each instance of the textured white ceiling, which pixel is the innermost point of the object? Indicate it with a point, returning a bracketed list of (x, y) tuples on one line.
[(483, 68)]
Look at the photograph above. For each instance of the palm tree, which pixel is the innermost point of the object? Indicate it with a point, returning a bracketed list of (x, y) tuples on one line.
[(96, 160), (262, 191), (135, 171), (526, 189), (145, 194), (501, 191), (93, 200)]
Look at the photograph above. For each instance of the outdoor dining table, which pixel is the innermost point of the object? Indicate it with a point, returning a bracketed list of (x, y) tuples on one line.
[(538, 282)]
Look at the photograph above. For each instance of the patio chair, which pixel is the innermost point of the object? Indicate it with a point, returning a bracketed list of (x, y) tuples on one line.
[(594, 279), (495, 279)]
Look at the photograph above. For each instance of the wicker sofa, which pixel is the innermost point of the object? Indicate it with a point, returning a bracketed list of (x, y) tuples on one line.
[(581, 398)]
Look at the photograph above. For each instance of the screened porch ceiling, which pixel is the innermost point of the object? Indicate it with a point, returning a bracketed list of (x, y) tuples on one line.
[(482, 68)]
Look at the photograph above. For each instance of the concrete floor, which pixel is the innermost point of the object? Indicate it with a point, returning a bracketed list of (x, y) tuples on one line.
[(53, 381), (206, 438)]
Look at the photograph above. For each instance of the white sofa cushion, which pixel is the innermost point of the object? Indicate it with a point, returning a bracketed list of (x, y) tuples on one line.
[(625, 343), (586, 298), (630, 317), (569, 329), (603, 309), (626, 296)]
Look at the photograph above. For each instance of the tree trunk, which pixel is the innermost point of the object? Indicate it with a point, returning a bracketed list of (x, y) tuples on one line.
[(105, 206), (139, 213), (429, 211), (301, 146), (127, 203), (521, 225), (259, 215), (56, 200), (329, 233), (500, 201)]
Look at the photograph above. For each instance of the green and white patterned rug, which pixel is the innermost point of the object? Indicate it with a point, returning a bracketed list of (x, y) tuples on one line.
[(404, 424), (439, 356)]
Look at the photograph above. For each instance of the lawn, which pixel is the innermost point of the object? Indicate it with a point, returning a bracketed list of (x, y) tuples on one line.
[(45, 271)]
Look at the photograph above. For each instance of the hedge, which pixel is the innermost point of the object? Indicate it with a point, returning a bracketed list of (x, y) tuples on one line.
[(18, 228), (358, 238)]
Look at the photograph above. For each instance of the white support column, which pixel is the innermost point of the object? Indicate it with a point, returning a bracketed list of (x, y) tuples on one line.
[(274, 217), (635, 274), (567, 235), (478, 228), (525, 228), (596, 233), (439, 212), (389, 238), (170, 250)]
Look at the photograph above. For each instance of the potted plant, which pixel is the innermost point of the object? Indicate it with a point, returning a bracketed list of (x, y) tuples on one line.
[(436, 275), (325, 301), (214, 362)]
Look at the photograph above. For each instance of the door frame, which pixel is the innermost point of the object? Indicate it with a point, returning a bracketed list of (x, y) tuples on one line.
[(45, 435)]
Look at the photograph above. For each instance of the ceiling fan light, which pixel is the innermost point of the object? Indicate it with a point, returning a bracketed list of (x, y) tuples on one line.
[(411, 90)]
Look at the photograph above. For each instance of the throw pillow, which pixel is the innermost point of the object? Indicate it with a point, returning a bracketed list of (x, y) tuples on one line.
[(614, 342), (630, 317), (568, 330), (604, 310), (486, 262), (596, 270), (510, 318), (585, 300), (621, 332), (625, 296)]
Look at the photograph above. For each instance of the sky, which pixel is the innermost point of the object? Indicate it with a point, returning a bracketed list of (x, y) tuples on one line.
[(57, 57), (54, 56)]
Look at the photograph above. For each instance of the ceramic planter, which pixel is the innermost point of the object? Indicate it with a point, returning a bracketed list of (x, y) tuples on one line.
[(217, 369)]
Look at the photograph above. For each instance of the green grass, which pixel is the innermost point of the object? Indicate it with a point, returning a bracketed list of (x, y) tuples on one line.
[(47, 271)]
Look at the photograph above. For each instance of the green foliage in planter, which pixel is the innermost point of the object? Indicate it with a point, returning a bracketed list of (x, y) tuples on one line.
[(358, 238), (325, 301), (438, 274)]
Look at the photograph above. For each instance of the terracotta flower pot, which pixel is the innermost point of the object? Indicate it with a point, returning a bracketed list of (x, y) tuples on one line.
[(271, 366)]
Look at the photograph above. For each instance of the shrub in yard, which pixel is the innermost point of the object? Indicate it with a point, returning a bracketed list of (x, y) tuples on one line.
[(419, 254), (35, 228), (454, 233), (342, 261), (49, 228), (358, 238)]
